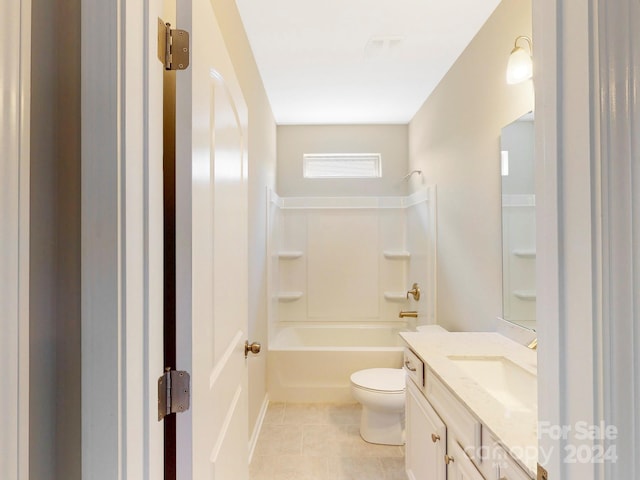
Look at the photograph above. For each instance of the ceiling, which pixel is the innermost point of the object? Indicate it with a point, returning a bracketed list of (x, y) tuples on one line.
[(356, 61)]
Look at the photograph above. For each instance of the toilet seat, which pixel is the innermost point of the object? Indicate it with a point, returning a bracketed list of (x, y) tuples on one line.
[(380, 380)]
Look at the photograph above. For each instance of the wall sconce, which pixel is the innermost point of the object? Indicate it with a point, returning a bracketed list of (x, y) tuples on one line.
[(520, 66)]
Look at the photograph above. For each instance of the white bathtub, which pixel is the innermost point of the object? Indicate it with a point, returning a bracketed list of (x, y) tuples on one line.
[(314, 363)]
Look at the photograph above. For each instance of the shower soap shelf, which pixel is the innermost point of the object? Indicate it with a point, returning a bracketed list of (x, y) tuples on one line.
[(525, 294), (396, 254), (525, 253), (290, 254), (289, 296), (395, 296)]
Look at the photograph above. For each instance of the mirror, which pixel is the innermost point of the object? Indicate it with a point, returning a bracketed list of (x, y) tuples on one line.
[(518, 222)]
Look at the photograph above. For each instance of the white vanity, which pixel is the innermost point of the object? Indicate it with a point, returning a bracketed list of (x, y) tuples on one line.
[(471, 409)]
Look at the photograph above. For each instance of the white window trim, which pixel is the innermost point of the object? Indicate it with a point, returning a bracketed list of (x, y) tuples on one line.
[(345, 158)]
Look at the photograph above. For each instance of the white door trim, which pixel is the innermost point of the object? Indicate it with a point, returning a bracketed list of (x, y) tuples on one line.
[(568, 191), (545, 33), (15, 76), (119, 408), (619, 204)]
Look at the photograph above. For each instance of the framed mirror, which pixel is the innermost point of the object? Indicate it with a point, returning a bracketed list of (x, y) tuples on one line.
[(518, 222)]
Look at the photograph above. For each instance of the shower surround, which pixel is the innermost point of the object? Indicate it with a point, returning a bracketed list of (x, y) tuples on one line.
[(340, 268)]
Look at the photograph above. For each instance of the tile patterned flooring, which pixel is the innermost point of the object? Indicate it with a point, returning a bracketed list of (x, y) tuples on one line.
[(320, 442)]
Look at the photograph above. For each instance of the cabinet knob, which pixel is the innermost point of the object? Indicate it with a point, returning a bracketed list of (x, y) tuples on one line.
[(448, 459), (434, 437)]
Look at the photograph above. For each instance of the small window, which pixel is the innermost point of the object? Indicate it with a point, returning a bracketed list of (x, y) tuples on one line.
[(342, 165)]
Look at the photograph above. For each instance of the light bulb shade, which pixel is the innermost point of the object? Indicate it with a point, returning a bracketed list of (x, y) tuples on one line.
[(520, 66)]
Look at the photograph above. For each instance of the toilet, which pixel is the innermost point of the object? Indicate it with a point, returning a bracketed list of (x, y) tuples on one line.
[(431, 329), (381, 391)]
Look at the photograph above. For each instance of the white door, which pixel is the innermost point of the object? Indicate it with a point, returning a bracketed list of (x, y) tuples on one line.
[(211, 253)]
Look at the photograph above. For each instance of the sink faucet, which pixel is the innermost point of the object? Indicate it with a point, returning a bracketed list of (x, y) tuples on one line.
[(409, 313), (534, 344)]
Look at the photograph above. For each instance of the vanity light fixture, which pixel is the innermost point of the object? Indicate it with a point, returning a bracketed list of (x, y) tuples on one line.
[(520, 66)]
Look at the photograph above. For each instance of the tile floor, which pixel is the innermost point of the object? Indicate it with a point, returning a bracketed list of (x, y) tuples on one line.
[(320, 442)]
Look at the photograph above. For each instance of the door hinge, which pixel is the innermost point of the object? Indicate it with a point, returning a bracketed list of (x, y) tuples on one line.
[(174, 393), (173, 46)]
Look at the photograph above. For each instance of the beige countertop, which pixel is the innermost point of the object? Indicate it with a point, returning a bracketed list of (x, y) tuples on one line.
[(515, 429)]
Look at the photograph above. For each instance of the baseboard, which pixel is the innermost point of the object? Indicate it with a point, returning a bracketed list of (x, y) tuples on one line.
[(258, 426), (313, 394)]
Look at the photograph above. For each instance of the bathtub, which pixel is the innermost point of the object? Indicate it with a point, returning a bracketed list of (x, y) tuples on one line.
[(314, 363)]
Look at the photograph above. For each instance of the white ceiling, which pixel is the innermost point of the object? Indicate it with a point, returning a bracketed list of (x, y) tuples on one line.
[(356, 61)]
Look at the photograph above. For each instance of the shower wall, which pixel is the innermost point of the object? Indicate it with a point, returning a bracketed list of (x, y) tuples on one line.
[(350, 259), (519, 258)]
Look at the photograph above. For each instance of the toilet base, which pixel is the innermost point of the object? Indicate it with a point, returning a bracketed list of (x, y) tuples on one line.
[(383, 428)]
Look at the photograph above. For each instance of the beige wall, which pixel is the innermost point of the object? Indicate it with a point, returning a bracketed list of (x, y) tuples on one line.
[(454, 139), (262, 166), (389, 140)]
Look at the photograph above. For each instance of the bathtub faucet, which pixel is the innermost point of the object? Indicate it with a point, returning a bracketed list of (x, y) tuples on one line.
[(415, 292), (410, 313)]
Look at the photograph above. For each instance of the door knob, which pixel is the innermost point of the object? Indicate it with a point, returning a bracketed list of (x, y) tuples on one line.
[(448, 459), (434, 437), (251, 347)]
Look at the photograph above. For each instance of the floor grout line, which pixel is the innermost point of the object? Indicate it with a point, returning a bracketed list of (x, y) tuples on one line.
[(342, 454)]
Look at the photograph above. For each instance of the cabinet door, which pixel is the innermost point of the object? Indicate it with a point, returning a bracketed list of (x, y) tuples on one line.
[(426, 438), (497, 464), (459, 465)]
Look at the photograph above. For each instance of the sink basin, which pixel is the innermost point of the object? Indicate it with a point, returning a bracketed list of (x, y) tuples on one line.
[(507, 382)]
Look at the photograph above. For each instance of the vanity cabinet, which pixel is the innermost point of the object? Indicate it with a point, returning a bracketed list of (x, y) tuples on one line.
[(459, 465), (499, 465), (443, 438), (426, 438)]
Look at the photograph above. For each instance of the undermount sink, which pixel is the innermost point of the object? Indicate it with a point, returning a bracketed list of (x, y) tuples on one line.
[(504, 380)]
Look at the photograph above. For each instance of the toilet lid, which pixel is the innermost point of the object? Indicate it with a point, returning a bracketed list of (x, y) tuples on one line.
[(390, 380)]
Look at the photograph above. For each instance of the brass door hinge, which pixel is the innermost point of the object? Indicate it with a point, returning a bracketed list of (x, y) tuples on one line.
[(174, 393), (173, 46)]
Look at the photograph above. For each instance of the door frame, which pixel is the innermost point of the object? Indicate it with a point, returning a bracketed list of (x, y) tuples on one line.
[(121, 437), (15, 37), (576, 254), (113, 270)]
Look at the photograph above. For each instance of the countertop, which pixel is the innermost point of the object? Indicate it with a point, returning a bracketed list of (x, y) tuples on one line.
[(516, 431)]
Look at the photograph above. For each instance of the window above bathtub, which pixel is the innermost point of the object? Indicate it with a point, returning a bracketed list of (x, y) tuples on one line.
[(342, 165)]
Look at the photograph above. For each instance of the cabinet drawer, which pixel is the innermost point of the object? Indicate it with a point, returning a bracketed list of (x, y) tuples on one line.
[(414, 367), (508, 469), (497, 463), (463, 426)]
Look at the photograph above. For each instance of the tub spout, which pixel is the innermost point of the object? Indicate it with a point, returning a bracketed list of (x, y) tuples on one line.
[(410, 313)]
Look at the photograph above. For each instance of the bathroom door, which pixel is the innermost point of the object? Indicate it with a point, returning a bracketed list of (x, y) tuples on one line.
[(211, 254)]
